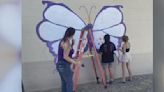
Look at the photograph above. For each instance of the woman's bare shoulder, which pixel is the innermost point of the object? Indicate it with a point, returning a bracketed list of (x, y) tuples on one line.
[(65, 44)]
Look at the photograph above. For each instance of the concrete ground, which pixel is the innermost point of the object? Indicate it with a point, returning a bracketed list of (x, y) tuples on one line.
[(140, 83)]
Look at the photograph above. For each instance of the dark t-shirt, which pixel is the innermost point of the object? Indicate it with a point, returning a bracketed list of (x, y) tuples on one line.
[(107, 50)]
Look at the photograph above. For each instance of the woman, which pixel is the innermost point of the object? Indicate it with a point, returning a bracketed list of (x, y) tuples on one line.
[(125, 58), (107, 57), (65, 60)]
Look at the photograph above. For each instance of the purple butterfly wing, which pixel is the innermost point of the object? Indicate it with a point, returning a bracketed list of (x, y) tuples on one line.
[(108, 21), (56, 19)]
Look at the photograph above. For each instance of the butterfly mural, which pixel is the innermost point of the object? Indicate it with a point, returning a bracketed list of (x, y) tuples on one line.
[(57, 17)]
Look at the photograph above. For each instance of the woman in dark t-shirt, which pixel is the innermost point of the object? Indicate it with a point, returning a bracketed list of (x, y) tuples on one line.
[(107, 56)]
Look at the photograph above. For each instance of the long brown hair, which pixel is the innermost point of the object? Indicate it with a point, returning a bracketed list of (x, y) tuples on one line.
[(125, 38), (69, 32)]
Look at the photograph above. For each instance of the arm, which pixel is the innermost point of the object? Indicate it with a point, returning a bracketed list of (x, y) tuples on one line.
[(67, 49), (116, 51), (100, 51), (124, 48), (117, 56), (73, 42), (100, 54)]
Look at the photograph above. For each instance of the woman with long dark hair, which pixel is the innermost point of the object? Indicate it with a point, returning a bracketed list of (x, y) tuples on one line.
[(65, 60)]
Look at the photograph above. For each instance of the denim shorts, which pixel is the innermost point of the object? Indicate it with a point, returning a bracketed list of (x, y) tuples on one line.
[(106, 65)]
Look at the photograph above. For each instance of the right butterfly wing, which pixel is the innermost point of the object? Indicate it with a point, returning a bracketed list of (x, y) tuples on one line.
[(107, 17), (56, 19), (108, 21)]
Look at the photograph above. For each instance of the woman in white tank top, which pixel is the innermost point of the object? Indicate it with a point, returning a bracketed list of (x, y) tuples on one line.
[(125, 58)]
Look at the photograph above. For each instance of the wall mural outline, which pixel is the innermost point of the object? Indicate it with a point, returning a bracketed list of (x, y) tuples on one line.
[(53, 44)]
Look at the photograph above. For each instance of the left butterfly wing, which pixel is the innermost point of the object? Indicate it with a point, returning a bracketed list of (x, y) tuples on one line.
[(56, 19), (108, 21), (60, 14)]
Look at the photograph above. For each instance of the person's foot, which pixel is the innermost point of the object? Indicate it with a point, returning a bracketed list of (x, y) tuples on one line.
[(111, 81), (123, 81), (129, 79), (105, 87)]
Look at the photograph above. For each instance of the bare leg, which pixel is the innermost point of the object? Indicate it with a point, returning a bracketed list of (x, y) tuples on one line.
[(123, 71), (129, 70), (110, 73), (105, 74)]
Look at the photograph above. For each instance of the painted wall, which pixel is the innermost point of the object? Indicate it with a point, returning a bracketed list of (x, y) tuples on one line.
[(38, 67)]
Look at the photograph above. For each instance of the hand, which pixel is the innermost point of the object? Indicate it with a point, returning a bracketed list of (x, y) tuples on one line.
[(73, 67), (76, 62), (75, 57), (118, 60)]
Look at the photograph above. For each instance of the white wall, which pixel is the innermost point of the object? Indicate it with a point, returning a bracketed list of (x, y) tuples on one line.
[(38, 62), (10, 36)]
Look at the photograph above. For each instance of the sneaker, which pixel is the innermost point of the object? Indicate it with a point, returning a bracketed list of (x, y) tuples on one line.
[(129, 79), (105, 87), (123, 81), (110, 82)]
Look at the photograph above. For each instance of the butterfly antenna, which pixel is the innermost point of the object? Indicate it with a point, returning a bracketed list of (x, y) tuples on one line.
[(86, 10), (89, 15)]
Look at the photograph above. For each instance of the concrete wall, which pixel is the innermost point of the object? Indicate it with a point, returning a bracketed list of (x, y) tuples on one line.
[(10, 66), (38, 68), (158, 46), (8, 49)]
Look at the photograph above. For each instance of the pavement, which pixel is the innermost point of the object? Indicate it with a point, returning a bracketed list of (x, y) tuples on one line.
[(140, 83)]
